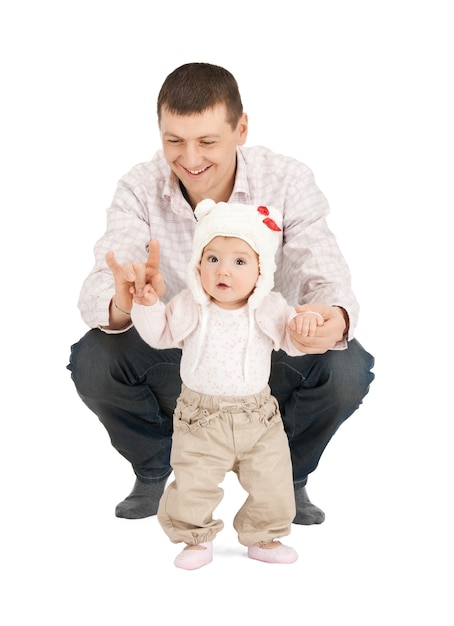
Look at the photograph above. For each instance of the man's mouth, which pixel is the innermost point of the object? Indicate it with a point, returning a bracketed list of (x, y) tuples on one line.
[(197, 172)]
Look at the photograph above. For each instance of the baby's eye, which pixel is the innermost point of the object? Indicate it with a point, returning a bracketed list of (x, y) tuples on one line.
[(240, 262), (212, 259)]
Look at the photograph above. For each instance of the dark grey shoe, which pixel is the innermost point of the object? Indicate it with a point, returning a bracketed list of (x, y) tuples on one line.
[(143, 501), (306, 512)]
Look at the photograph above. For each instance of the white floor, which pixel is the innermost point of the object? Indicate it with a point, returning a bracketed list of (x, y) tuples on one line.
[(362, 94)]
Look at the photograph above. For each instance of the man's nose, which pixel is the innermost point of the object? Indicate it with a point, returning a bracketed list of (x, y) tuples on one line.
[(192, 157)]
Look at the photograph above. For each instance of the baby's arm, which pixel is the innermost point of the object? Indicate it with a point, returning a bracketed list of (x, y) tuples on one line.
[(305, 324)]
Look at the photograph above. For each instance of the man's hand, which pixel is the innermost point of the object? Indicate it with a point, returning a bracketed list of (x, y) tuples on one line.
[(326, 335), (130, 280)]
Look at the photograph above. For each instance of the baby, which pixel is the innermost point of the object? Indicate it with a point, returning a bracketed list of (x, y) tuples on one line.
[(227, 324)]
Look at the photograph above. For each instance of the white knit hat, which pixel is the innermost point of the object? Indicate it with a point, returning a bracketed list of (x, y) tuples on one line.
[(259, 226)]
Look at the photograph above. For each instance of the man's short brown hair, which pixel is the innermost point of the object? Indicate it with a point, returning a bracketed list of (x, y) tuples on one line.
[(195, 87)]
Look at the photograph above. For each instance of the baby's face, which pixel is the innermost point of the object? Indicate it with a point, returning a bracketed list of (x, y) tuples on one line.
[(229, 269)]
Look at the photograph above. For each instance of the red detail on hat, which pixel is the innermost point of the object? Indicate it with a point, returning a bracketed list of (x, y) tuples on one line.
[(271, 224), (268, 221)]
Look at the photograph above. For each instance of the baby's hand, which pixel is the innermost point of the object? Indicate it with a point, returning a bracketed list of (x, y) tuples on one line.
[(148, 297), (305, 324)]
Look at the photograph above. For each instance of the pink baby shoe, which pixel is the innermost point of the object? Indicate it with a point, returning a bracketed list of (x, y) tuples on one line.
[(192, 559), (281, 554)]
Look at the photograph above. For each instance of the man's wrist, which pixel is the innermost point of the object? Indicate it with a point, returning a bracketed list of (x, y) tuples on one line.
[(119, 308)]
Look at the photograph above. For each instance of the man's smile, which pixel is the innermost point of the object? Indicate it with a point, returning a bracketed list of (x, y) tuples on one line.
[(196, 172)]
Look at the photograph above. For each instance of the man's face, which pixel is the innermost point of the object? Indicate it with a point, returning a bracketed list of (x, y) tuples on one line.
[(201, 150)]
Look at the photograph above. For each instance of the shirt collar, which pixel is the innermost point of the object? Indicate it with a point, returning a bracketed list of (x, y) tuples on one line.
[(172, 194), (240, 192)]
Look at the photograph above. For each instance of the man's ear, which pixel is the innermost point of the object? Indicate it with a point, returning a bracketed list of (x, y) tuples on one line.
[(242, 130)]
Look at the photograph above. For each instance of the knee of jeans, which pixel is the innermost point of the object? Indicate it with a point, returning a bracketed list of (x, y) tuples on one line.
[(90, 362), (364, 363), (351, 373)]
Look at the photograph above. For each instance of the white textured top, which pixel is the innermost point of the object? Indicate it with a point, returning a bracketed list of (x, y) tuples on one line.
[(221, 370)]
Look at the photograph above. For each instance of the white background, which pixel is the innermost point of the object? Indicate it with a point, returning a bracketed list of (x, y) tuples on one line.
[(361, 92)]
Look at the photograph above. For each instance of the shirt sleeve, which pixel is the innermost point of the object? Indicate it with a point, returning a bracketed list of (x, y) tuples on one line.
[(165, 326), (311, 251), (272, 317)]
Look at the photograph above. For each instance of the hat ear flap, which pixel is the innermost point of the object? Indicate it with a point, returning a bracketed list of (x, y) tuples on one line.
[(203, 208)]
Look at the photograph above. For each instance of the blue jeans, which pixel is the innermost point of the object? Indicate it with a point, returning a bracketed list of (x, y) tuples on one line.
[(133, 388)]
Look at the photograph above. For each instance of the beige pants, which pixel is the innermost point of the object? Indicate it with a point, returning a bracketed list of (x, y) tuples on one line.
[(215, 435)]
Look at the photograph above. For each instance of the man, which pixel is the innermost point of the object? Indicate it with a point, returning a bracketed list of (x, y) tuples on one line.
[(131, 387)]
